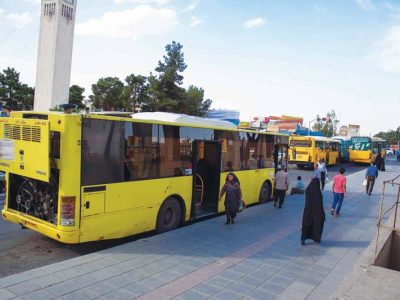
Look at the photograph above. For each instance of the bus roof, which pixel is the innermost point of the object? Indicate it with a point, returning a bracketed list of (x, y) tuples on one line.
[(126, 114), (123, 117), (317, 138), (181, 118), (374, 139), (342, 138)]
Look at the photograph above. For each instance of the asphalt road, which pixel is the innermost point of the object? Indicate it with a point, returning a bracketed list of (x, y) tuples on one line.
[(23, 249)]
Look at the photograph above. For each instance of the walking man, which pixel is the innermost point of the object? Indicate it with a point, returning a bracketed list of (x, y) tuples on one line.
[(323, 171), (339, 192), (280, 187), (370, 176)]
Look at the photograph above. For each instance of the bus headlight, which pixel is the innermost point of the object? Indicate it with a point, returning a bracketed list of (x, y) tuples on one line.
[(67, 211)]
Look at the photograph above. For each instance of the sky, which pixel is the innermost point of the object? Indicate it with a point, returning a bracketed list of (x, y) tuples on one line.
[(260, 57)]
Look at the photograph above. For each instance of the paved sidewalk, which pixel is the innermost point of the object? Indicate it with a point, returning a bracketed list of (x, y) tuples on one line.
[(259, 257)]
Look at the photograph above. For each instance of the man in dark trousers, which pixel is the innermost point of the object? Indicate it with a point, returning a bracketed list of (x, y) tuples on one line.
[(370, 176), (281, 185)]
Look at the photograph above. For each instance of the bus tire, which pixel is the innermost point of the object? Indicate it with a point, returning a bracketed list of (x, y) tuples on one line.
[(169, 216), (265, 193)]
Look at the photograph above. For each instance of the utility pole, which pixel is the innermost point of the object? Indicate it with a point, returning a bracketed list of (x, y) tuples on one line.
[(398, 138)]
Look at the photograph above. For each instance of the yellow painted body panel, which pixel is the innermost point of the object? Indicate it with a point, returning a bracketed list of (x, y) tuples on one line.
[(119, 209), (332, 158), (311, 155), (304, 155), (29, 142), (132, 207), (69, 127), (361, 156), (67, 236)]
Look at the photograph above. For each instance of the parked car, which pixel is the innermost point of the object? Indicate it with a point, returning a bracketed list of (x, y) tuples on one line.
[(389, 151)]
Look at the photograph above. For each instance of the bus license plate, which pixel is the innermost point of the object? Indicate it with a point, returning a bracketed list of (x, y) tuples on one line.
[(30, 225)]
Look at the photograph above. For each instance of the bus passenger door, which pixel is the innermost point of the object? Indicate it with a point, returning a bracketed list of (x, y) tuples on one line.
[(206, 177)]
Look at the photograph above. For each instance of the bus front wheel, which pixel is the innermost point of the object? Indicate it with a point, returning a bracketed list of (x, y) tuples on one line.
[(169, 215), (265, 193)]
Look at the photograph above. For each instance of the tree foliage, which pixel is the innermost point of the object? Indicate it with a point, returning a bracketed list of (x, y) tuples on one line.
[(107, 94), (135, 92), (76, 96), (327, 125), (392, 136), (161, 91), (13, 93), (194, 103)]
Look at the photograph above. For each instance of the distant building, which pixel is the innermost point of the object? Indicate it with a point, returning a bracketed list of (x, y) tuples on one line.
[(276, 124), (350, 130)]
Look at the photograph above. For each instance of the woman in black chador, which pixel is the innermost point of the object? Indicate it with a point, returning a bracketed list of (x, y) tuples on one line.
[(313, 214), (379, 162), (232, 198)]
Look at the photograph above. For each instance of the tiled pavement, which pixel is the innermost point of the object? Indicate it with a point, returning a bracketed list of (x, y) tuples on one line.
[(259, 257)]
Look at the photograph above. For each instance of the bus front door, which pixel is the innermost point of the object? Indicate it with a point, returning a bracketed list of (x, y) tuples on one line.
[(206, 177)]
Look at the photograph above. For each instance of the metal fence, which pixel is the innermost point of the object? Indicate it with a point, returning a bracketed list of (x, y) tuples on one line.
[(395, 183)]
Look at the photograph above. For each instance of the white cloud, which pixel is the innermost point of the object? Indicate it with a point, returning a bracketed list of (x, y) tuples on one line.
[(159, 2), (192, 5), (387, 51), (254, 23), (391, 7), (365, 4), (195, 21), (36, 2), (17, 20), (143, 20)]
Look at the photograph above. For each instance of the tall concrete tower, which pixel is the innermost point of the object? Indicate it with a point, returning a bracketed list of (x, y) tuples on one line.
[(56, 38)]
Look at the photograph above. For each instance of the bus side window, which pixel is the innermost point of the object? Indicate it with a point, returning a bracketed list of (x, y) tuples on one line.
[(269, 151), (233, 151), (245, 151), (102, 152), (141, 151)]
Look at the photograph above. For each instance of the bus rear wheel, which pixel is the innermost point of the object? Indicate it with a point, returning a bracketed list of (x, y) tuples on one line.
[(169, 216), (265, 193)]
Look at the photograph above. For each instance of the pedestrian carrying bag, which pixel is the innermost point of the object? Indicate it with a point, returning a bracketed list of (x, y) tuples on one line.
[(364, 182), (242, 205)]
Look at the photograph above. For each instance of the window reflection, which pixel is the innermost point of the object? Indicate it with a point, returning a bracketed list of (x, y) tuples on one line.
[(116, 151)]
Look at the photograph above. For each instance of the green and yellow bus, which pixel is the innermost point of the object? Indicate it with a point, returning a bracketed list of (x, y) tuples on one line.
[(305, 151), (364, 149), (79, 178)]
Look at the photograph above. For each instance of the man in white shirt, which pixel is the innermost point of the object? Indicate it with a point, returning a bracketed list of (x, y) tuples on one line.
[(281, 185), (323, 172)]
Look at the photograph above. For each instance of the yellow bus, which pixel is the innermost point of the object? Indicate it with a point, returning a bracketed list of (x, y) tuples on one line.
[(79, 178), (364, 149), (305, 151)]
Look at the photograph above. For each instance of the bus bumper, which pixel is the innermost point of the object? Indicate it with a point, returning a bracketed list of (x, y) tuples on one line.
[(67, 237), (362, 161), (301, 163)]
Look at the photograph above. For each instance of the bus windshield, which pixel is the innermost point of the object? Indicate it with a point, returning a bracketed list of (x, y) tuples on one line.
[(300, 143), (360, 143)]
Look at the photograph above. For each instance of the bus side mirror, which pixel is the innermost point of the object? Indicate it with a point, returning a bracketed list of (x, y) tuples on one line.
[(294, 153)]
